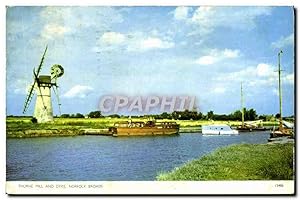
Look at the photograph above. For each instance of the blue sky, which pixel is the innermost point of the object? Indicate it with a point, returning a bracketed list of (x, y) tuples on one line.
[(198, 51)]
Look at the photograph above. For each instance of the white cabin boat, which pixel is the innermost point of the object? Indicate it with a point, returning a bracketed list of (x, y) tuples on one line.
[(218, 129)]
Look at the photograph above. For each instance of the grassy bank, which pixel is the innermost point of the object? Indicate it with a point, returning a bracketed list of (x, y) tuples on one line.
[(22, 126), (238, 162), (24, 123)]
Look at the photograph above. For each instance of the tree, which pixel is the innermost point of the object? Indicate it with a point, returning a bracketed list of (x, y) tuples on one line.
[(262, 117), (251, 114), (237, 115), (114, 116), (165, 115), (79, 115), (34, 120), (210, 115), (200, 115), (266, 117), (65, 116), (175, 115), (95, 114)]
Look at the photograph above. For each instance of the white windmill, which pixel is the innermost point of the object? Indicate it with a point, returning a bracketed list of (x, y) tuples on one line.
[(43, 111)]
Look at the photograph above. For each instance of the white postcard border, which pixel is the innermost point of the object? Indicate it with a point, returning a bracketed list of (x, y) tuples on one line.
[(151, 187)]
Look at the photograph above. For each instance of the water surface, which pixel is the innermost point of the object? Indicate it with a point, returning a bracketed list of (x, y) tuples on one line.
[(104, 158)]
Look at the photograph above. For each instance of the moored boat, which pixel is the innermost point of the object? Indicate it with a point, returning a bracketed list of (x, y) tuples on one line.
[(140, 128), (251, 126), (285, 129), (248, 126), (218, 129)]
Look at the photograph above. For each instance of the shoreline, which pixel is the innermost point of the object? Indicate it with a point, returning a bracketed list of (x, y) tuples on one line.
[(32, 133), (238, 162), (61, 127)]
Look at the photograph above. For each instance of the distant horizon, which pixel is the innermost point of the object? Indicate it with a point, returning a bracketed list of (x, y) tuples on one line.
[(137, 115)]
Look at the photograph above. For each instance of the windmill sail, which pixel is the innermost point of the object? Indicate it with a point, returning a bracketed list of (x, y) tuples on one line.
[(29, 98), (56, 72), (31, 90), (41, 63)]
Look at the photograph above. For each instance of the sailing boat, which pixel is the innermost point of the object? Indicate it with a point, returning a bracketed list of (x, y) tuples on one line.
[(285, 128), (249, 125)]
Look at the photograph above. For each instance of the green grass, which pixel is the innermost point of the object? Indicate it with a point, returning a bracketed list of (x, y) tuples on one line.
[(19, 123), (238, 162), (15, 126)]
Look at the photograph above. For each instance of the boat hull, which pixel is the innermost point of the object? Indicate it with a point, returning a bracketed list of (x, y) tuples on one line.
[(143, 131), (218, 129), (281, 133), (251, 129), (234, 132)]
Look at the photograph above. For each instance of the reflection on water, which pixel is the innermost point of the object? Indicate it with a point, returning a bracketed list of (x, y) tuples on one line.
[(99, 158)]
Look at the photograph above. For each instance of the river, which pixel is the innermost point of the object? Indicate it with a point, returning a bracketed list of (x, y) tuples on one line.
[(104, 158)]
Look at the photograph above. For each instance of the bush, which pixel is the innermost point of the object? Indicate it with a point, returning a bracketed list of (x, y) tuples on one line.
[(95, 114), (34, 120), (65, 116)]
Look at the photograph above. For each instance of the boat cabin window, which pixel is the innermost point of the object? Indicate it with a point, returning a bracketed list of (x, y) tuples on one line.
[(217, 127), (150, 123)]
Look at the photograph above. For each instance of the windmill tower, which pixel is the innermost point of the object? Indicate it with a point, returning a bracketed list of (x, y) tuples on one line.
[(42, 84)]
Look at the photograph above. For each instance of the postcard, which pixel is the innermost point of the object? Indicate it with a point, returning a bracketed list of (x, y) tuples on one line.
[(150, 100)]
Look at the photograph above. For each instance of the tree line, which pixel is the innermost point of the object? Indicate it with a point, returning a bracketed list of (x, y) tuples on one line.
[(194, 115), (93, 114), (249, 115)]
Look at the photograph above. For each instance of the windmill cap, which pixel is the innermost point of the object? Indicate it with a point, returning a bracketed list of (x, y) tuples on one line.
[(44, 79)]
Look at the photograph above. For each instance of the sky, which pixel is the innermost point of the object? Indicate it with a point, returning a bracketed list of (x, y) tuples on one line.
[(203, 51)]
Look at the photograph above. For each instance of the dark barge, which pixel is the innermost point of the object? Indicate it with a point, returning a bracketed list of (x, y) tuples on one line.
[(140, 128)]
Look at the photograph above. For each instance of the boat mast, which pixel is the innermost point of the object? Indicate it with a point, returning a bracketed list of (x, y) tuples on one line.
[(279, 90), (242, 105)]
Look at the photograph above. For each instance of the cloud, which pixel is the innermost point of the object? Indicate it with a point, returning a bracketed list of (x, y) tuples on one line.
[(52, 31), (132, 42), (263, 69), (20, 86), (152, 43), (80, 91), (203, 18), (77, 17), (60, 22), (251, 74), (181, 13), (112, 38), (229, 53), (255, 76), (206, 60), (206, 19), (289, 78), (54, 19), (216, 55), (219, 90), (55, 14), (283, 42)]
